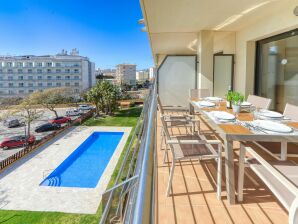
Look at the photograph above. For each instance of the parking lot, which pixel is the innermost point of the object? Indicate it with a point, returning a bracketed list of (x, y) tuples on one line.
[(9, 132)]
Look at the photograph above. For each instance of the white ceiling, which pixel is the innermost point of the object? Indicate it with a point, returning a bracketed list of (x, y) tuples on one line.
[(173, 25)]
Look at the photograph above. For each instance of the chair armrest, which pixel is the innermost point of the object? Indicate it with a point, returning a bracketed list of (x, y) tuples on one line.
[(186, 142)]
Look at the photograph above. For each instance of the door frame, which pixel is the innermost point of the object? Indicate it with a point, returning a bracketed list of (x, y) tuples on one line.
[(233, 64), (258, 61)]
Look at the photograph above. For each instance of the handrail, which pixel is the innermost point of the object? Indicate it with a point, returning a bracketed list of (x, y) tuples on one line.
[(129, 199), (142, 184)]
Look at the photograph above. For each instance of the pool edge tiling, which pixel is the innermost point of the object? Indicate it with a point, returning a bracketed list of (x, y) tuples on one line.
[(20, 183), (85, 165)]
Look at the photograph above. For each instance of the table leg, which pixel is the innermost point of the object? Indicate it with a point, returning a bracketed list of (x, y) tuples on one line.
[(191, 109), (284, 150), (229, 167)]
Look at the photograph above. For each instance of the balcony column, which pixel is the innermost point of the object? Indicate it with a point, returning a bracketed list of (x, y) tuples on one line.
[(205, 57)]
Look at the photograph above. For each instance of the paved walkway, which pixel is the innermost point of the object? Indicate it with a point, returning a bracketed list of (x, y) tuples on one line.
[(19, 184)]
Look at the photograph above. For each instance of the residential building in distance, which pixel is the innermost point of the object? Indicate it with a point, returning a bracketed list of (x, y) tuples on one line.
[(22, 75), (126, 74), (152, 73), (142, 76), (108, 72)]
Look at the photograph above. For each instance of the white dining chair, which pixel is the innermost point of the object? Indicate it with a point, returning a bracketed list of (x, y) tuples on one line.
[(280, 177), (259, 102)]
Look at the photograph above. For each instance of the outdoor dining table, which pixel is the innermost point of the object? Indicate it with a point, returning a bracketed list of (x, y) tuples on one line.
[(234, 131)]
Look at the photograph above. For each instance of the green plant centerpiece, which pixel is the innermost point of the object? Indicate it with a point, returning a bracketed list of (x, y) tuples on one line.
[(235, 98)]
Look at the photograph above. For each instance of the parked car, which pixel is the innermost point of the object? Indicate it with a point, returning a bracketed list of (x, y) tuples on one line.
[(12, 122), (85, 107), (60, 120), (47, 127), (73, 112), (17, 141)]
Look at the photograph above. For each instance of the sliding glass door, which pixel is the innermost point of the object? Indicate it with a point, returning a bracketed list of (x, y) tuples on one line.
[(277, 69)]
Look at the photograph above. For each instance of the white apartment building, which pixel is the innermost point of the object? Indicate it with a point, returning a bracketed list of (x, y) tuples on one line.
[(21, 75), (142, 76), (152, 73), (126, 74)]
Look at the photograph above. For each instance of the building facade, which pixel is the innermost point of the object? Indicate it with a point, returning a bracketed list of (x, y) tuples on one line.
[(126, 74), (22, 75), (152, 73), (142, 76)]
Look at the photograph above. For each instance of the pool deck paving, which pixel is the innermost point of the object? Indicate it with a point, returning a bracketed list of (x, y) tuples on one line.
[(19, 184)]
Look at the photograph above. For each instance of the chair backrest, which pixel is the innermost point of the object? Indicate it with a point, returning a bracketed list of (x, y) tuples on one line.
[(259, 102), (199, 93), (291, 111)]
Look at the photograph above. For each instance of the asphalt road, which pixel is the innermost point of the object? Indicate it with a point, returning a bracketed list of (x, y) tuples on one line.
[(9, 132)]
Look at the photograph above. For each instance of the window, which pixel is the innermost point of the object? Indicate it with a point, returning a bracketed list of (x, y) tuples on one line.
[(77, 84), (20, 77), (9, 64), (49, 77), (20, 71), (30, 64), (39, 84), (58, 70), (1, 71), (77, 90), (20, 64), (67, 84), (49, 84), (29, 70), (67, 77), (39, 64), (58, 64), (1, 84), (67, 70), (58, 77), (1, 78), (30, 91), (30, 77), (39, 71), (58, 84), (9, 71), (21, 84), (49, 64), (49, 71), (30, 84), (10, 92), (76, 77), (76, 71), (21, 91), (39, 77), (10, 78), (276, 69)]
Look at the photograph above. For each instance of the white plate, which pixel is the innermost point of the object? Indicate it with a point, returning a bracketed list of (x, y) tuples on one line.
[(245, 104), (270, 114), (222, 115), (273, 126), (213, 98), (205, 104)]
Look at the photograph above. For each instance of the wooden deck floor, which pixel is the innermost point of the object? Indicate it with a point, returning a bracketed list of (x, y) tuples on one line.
[(194, 195)]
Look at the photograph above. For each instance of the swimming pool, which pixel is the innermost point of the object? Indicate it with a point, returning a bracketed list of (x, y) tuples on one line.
[(84, 167)]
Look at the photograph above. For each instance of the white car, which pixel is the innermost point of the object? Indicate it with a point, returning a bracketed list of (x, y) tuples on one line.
[(85, 107), (72, 112)]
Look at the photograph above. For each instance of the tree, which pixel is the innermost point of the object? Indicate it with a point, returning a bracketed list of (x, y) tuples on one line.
[(105, 96), (95, 96), (28, 112), (51, 98)]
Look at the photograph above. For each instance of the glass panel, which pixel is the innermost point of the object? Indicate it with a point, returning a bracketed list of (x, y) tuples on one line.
[(278, 72)]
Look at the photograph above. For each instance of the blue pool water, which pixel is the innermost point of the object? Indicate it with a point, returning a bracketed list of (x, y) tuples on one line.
[(84, 167)]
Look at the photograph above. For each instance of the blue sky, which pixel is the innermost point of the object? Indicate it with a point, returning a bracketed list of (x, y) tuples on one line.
[(104, 30)]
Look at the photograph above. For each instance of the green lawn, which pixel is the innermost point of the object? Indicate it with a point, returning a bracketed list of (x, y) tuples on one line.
[(127, 118)]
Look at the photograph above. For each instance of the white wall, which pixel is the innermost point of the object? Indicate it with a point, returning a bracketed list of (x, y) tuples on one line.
[(282, 21)]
